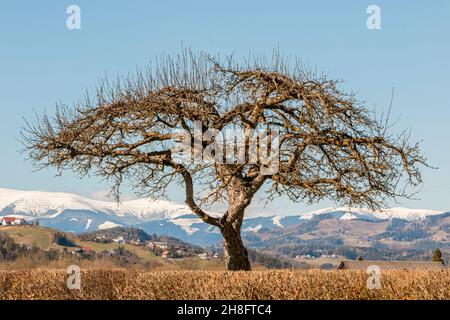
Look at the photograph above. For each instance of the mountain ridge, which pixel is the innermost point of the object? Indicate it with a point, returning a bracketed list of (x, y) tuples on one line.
[(74, 213), (38, 204), (42, 204)]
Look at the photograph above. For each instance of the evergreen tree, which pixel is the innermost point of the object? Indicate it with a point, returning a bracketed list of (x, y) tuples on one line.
[(437, 256)]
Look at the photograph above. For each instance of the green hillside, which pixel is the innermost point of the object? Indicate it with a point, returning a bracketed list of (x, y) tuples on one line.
[(43, 238), (29, 235)]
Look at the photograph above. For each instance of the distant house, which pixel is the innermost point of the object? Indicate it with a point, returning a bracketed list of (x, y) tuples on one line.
[(305, 256), (391, 265), (165, 254), (87, 249), (203, 256), (119, 240), (11, 221), (161, 245), (83, 251)]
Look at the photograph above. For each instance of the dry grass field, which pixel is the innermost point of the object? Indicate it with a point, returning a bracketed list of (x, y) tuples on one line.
[(279, 284)]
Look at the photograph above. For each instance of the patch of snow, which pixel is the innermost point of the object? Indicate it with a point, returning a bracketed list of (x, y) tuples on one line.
[(88, 224), (108, 225), (186, 224), (276, 221), (348, 216), (254, 229)]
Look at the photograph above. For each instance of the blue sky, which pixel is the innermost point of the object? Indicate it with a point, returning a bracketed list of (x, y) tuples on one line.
[(42, 62)]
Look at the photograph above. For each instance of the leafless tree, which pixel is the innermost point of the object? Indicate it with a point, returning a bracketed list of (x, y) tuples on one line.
[(330, 145)]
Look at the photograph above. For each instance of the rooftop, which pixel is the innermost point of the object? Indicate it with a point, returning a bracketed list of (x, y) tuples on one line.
[(391, 265)]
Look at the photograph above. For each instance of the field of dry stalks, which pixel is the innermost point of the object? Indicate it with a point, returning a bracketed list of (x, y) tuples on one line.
[(279, 284)]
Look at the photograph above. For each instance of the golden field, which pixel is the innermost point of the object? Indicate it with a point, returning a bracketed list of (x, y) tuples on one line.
[(277, 284)]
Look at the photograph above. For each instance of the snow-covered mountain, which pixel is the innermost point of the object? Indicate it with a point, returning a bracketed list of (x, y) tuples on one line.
[(74, 213), (78, 214), (51, 204), (345, 213)]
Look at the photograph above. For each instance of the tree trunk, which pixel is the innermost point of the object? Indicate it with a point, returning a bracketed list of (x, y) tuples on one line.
[(239, 198), (236, 256)]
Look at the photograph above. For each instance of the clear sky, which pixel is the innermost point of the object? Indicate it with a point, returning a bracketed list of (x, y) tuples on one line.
[(42, 62)]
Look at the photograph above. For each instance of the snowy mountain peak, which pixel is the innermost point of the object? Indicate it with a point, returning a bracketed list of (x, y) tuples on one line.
[(346, 213), (51, 204)]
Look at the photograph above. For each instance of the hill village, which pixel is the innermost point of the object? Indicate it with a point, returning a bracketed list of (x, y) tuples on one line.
[(170, 249), (166, 249)]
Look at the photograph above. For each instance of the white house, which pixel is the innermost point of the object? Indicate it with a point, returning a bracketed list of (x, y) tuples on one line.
[(203, 256), (119, 240), (162, 245), (11, 221)]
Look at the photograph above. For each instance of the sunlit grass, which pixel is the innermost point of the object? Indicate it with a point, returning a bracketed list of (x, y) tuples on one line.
[(276, 284)]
